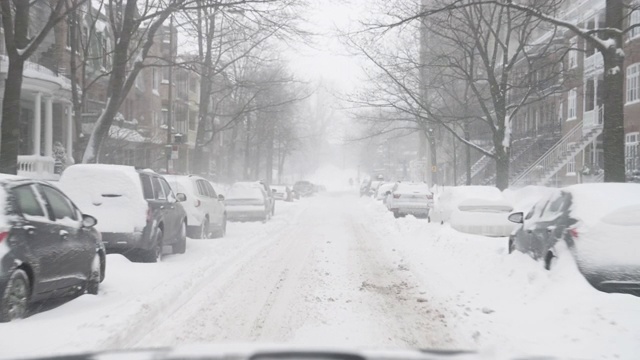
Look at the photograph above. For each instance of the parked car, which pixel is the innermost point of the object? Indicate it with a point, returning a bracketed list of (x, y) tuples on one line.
[(48, 247), (451, 196), (138, 213), (303, 188), (410, 198), (282, 192), (384, 190), (488, 217), (599, 223), (247, 201), (270, 195), (206, 213)]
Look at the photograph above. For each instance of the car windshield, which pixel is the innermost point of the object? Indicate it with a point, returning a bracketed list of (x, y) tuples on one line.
[(320, 179)]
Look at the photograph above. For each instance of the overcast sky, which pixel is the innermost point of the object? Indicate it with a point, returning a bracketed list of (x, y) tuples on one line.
[(327, 57)]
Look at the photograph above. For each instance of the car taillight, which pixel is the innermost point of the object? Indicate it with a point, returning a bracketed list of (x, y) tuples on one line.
[(396, 196), (197, 203), (149, 214), (3, 236), (573, 232)]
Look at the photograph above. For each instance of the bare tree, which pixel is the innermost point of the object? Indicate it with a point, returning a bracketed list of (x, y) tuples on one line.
[(479, 50)]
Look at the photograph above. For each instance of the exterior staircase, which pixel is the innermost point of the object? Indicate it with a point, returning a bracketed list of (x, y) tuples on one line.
[(476, 168), (570, 145)]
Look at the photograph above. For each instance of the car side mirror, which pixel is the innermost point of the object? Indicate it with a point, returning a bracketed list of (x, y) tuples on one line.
[(220, 197), (88, 221), (517, 218), (388, 193), (181, 197)]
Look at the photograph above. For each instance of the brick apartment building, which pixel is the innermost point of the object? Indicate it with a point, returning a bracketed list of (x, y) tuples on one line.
[(53, 135), (557, 139)]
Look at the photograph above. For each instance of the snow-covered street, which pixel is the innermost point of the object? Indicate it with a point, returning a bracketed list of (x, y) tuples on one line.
[(340, 270)]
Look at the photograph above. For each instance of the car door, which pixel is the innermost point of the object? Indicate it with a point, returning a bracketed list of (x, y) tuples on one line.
[(550, 225), (77, 247), (42, 245), (175, 213)]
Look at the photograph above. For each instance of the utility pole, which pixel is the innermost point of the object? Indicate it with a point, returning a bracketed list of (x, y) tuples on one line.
[(170, 105)]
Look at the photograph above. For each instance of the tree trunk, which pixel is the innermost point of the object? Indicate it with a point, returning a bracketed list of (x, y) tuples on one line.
[(10, 141), (247, 150), (269, 153), (231, 157), (502, 168), (613, 123), (455, 161), (467, 136)]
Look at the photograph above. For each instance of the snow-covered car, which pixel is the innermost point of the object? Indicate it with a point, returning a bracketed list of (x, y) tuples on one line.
[(282, 192), (482, 217), (303, 188), (247, 201), (450, 197), (600, 223), (409, 198), (48, 247), (137, 212), (384, 190), (206, 213)]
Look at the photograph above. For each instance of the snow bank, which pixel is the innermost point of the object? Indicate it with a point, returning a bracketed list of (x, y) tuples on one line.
[(110, 193), (506, 303)]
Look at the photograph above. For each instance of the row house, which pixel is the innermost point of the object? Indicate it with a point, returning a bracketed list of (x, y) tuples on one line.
[(557, 137), (46, 126), (53, 135)]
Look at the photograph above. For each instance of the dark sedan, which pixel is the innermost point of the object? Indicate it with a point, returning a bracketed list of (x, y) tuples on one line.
[(599, 223), (48, 248)]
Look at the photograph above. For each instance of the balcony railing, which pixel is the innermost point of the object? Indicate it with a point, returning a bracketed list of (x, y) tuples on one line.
[(37, 167), (593, 119), (593, 64)]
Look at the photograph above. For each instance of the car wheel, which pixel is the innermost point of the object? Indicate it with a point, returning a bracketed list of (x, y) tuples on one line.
[(204, 229), (155, 253), (180, 247), (93, 284), (396, 214), (549, 260), (15, 300)]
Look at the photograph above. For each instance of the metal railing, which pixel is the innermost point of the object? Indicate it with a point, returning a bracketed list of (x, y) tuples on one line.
[(551, 157), (476, 167)]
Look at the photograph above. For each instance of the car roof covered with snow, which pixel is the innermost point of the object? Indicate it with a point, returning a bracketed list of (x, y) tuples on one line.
[(592, 202)]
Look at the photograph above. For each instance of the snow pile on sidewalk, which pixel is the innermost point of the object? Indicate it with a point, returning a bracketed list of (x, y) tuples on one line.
[(509, 303)]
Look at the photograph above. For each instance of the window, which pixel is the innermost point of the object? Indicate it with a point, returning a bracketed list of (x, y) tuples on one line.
[(572, 105), (634, 19), (571, 165), (27, 201), (140, 81), (155, 79), (573, 52), (59, 203), (210, 190), (147, 188), (158, 194), (167, 190), (632, 82), (632, 142), (589, 95), (165, 117), (165, 75)]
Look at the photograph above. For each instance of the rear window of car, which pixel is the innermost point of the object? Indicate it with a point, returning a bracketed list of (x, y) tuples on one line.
[(158, 194), (147, 188)]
